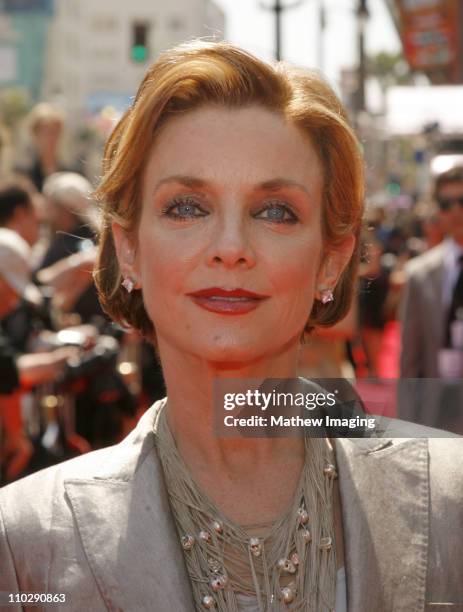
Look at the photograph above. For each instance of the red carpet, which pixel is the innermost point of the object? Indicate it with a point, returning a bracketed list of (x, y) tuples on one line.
[(379, 395), (390, 351)]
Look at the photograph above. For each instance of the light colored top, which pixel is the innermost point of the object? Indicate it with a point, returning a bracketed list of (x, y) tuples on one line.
[(250, 604)]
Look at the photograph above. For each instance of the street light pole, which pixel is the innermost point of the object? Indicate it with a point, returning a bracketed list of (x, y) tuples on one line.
[(321, 35), (362, 16), (278, 9)]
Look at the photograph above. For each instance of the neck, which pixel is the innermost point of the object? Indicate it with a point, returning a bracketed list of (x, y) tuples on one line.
[(48, 161), (191, 410)]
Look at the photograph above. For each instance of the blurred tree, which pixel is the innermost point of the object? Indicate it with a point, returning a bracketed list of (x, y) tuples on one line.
[(389, 69), (15, 103)]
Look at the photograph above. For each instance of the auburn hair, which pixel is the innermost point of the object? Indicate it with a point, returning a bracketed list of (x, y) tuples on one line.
[(203, 73)]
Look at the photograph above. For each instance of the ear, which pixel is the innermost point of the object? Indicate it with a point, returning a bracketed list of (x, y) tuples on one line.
[(126, 253), (334, 261)]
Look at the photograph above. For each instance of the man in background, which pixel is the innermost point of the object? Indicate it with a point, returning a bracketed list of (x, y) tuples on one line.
[(17, 210), (72, 216), (431, 302)]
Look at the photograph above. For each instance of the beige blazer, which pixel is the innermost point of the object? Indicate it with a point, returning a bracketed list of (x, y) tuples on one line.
[(99, 528), (423, 314)]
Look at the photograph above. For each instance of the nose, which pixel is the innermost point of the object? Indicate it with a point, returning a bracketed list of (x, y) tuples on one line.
[(230, 245)]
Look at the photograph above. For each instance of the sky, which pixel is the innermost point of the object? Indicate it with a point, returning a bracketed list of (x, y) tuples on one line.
[(252, 27)]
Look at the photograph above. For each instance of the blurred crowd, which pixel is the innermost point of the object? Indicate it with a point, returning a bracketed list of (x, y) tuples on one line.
[(71, 380)]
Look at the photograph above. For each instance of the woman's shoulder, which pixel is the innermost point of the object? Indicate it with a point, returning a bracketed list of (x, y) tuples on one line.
[(52, 520), (445, 461), (36, 520), (409, 449), (391, 433), (31, 502), (36, 488)]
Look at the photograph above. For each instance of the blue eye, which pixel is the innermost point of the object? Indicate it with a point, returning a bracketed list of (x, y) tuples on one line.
[(184, 209), (277, 213)]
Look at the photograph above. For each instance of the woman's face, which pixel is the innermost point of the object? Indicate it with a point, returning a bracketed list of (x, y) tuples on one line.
[(229, 245)]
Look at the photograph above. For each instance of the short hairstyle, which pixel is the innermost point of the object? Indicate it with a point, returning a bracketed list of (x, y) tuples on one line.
[(13, 194), (70, 191), (202, 73), (454, 175), (44, 114)]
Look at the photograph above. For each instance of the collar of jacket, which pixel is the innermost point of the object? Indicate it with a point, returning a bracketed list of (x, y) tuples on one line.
[(130, 538)]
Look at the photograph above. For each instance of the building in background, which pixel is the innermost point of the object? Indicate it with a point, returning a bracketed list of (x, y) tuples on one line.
[(431, 32), (99, 50), (23, 34)]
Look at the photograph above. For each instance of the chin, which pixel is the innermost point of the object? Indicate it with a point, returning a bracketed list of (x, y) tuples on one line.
[(222, 346), (235, 354), (235, 351)]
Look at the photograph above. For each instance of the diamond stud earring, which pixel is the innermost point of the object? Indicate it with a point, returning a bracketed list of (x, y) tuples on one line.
[(128, 284), (326, 296)]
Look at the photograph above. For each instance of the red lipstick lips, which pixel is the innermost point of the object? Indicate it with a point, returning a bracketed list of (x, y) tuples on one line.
[(227, 301)]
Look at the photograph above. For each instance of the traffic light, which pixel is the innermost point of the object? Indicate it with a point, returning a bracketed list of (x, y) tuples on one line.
[(139, 49)]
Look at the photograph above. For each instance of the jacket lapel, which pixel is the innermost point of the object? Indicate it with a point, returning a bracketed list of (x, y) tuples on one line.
[(385, 499), (435, 301), (126, 527), (127, 530)]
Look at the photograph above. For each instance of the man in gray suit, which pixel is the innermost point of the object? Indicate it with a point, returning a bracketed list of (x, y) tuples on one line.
[(432, 293)]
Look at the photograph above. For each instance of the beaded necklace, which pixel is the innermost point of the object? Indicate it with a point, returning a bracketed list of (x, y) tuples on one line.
[(289, 565)]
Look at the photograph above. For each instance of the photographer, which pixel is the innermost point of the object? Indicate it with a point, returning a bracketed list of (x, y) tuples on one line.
[(19, 372), (72, 217), (18, 210)]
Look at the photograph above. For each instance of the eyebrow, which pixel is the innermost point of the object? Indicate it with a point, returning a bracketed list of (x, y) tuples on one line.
[(282, 183), (193, 182), (188, 181)]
